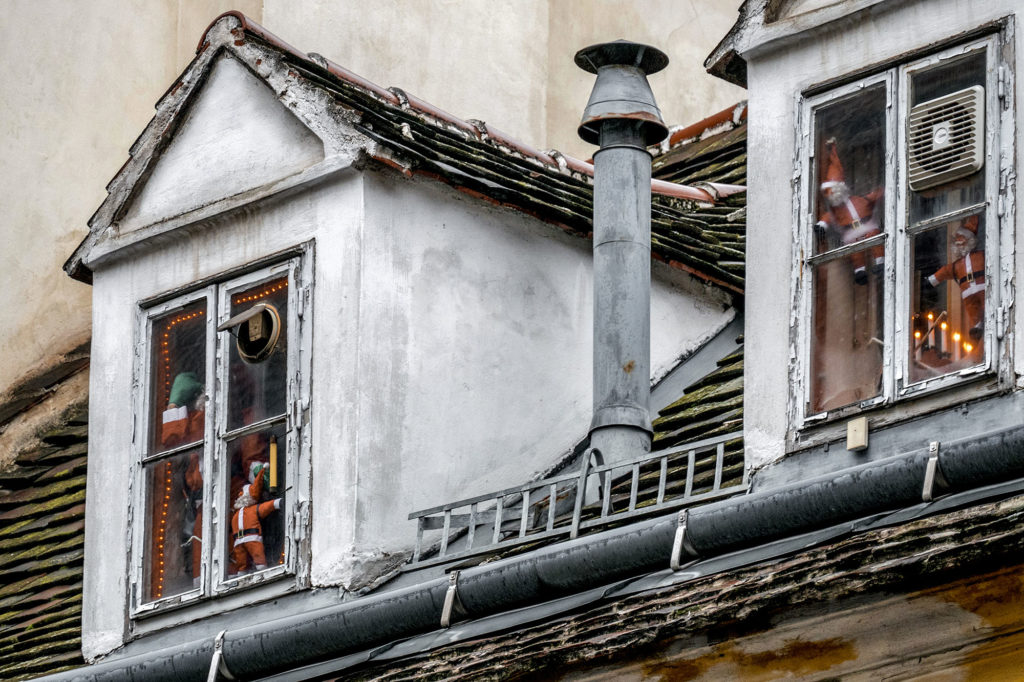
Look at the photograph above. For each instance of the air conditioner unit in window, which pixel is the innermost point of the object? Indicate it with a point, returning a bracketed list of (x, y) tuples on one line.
[(946, 138)]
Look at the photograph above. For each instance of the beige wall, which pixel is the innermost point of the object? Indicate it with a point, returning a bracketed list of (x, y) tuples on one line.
[(82, 78), (685, 31), (79, 84)]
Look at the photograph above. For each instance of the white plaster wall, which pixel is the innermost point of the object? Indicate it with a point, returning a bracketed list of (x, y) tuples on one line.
[(236, 136), (332, 213), (472, 367), (451, 356), (776, 75)]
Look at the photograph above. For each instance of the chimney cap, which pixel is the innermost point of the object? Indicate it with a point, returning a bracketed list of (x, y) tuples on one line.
[(621, 91), (622, 53)]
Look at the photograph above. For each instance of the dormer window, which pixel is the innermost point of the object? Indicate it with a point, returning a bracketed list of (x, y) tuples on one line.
[(221, 452), (900, 248)]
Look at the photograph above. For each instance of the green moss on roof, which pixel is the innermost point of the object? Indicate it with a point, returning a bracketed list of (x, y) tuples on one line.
[(483, 165), (710, 406), (41, 549)]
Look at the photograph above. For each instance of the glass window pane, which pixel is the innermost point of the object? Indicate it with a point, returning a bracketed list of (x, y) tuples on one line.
[(256, 531), (947, 307), (940, 135), (173, 518), (846, 333), (258, 355), (178, 373), (850, 167)]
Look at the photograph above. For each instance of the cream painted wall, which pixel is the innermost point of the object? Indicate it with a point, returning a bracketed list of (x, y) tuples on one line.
[(79, 84), (686, 30), (82, 79)]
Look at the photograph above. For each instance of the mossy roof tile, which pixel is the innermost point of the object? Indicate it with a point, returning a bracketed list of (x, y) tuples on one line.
[(41, 549)]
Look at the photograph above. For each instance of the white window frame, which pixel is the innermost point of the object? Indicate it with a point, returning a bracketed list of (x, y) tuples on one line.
[(896, 388), (213, 580)]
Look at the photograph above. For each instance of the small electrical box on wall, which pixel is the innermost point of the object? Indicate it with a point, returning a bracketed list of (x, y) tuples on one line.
[(857, 434)]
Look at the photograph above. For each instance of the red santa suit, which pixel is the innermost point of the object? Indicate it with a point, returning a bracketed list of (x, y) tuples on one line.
[(852, 217), (181, 425), (246, 529), (969, 272)]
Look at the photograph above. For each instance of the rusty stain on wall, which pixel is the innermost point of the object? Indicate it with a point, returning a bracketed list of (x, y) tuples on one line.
[(798, 657)]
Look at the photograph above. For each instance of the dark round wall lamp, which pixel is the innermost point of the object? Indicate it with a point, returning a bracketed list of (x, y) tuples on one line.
[(256, 331)]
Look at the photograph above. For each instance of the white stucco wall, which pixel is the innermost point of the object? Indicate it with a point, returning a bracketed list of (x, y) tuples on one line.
[(450, 347), (777, 74), (472, 361)]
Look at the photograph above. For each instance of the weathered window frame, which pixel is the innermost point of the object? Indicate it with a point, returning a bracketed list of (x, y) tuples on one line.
[(214, 582), (999, 155)]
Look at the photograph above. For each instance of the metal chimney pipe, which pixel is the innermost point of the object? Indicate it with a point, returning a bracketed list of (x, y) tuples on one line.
[(623, 119)]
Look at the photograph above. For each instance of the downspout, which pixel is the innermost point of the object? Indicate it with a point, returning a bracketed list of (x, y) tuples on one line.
[(566, 568), (623, 118)]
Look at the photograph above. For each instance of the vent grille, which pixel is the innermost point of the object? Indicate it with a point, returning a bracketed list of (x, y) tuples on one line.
[(946, 138)]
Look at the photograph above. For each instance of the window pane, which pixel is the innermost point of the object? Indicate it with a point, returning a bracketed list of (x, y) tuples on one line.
[(178, 374), (943, 128), (846, 335), (947, 309), (258, 379), (850, 167), (256, 531), (173, 556)]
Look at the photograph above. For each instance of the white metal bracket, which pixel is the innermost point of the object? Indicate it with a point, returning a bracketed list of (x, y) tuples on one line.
[(932, 473), (217, 666), (681, 543), (452, 604)]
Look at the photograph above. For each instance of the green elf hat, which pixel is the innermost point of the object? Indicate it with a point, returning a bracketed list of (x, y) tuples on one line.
[(186, 388)]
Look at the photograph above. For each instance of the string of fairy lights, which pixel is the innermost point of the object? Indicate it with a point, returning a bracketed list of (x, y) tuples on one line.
[(168, 470), (271, 288)]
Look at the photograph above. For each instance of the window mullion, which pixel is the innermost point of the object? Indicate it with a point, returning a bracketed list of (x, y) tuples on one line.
[(210, 442)]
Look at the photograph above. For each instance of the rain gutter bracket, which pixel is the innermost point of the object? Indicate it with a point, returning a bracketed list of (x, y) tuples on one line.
[(217, 666), (681, 544), (933, 474), (452, 604)]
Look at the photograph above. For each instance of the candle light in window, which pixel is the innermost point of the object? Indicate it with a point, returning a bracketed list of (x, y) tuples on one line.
[(931, 331), (273, 464), (943, 342), (956, 346), (968, 347)]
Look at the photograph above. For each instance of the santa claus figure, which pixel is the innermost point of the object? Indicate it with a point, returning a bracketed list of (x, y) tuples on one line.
[(247, 552), (849, 217), (183, 420), (968, 269)]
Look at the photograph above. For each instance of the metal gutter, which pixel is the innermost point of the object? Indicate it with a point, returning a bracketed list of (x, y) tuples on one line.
[(764, 524)]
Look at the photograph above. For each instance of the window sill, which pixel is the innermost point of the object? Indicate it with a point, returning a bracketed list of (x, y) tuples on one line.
[(169, 615), (832, 427)]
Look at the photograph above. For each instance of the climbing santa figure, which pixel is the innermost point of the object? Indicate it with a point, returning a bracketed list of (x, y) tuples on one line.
[(968, 269), (247, 552), (851, 218)]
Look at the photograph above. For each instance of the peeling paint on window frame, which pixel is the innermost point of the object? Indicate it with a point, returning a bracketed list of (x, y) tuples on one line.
[(901, 399), (216, 594)]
